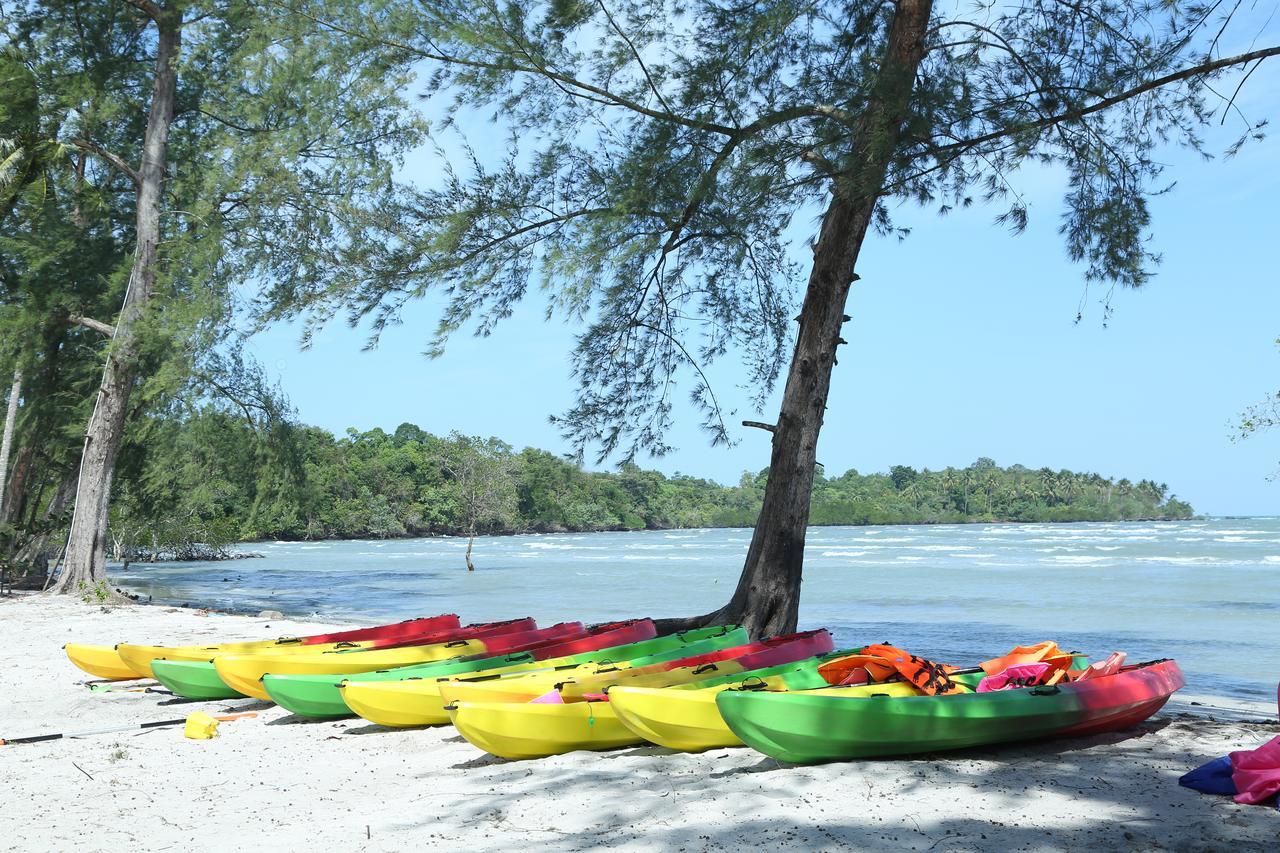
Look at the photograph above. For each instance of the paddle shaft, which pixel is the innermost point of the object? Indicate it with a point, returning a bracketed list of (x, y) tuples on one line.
[(131, 727)]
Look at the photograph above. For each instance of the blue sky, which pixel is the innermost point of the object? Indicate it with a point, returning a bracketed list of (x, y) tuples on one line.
[(963, 343)]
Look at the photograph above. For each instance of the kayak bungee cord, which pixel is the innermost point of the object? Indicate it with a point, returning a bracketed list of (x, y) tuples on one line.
[(131, 727)]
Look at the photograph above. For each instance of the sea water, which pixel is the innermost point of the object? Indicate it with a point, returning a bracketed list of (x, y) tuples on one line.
[(1206, 592)]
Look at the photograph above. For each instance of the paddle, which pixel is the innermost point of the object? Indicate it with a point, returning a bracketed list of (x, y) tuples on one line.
[(154, 725)]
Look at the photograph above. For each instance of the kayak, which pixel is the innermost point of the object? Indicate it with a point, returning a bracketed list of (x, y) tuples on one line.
[(139, 657), (319, 696), (106, 662), (689, 720), (100, 661), (420, 701), (684, 716), (769, 652), (831, 724), (200, 679), (517, 731), (244, 673), (576, 684)]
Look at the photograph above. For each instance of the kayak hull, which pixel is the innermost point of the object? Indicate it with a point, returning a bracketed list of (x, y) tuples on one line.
[(689, 720), (535, 731), (100, 662), (826, 725), (193, 679)]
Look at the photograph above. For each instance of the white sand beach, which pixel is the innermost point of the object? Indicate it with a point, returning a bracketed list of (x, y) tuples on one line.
[(280, 783)]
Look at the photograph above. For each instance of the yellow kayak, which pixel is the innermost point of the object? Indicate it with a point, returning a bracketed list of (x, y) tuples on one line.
[(138, 658), (420, 702), (510, 730), (101, 661), (525, 687), (243, 672), (578, 687), (688, 720)]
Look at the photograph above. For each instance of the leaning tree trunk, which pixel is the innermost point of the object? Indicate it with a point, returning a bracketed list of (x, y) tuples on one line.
[(85, 561), (767, 598), (36, 551), (471, 540), (6, 443)]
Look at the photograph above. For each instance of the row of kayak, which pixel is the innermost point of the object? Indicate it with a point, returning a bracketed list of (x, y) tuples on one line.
[(519, 691)]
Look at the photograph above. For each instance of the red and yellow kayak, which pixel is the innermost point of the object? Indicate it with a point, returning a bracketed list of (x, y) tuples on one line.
[(107, 662)]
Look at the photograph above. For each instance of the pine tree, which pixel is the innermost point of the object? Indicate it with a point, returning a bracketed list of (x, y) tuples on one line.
[(237, 140), (660, 150)]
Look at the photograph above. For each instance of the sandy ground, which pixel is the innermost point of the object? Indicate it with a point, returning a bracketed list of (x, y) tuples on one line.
[(277, 782)]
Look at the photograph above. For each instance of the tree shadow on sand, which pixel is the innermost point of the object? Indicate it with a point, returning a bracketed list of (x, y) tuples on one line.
[(1110, 791)]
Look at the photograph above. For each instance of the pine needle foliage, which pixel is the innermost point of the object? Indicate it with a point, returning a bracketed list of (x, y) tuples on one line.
[(659, 152)]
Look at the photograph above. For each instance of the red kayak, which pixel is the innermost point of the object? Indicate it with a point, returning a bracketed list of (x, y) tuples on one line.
[(772, 651), (479, 630), (598, 637), (396, 630)]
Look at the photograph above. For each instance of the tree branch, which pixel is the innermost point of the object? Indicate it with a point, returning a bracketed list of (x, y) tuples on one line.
[(146, 7), (643, 68), (113, 159), (1077, 114), (760, 425), (90, 323)]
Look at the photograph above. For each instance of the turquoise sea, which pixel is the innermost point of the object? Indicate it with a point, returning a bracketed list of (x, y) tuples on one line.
[(1206, 592)]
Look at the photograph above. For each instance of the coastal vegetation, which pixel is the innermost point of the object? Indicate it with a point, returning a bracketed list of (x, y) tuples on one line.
[(206, 479)]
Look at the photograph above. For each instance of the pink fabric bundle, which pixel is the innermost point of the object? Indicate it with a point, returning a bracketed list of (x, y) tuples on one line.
[(1256, 772), (1021, 675)]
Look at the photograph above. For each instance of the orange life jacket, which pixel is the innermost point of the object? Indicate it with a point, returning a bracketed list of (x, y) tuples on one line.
[(1046, 652), (881, 662)]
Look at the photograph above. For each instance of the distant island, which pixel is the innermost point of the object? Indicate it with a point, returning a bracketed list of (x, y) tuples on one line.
[(211, 478)]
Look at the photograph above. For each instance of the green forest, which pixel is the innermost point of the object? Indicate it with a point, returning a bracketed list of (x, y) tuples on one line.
[(214, 477)]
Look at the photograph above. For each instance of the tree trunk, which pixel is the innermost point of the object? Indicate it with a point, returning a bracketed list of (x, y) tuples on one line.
[(767, 597), (86, 545), (36, 551), (471, 567), (18, 492), (6, 443)]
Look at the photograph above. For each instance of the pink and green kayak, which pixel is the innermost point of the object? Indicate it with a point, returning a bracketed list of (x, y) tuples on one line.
[(811, 726)]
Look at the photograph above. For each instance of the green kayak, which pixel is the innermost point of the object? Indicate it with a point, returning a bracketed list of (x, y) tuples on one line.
[(192, 679), (807, 727), (319, 696)]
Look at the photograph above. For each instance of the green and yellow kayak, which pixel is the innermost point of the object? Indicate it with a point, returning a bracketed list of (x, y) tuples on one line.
[(421, 702)]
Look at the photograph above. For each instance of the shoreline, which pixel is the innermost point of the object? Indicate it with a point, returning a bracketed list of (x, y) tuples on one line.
[(506, 533), (283, 783)]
